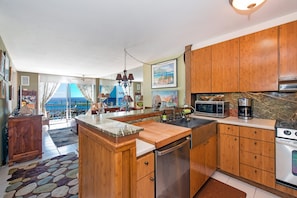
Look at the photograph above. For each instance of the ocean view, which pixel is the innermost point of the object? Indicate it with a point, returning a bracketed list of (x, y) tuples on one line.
[(57, 106)]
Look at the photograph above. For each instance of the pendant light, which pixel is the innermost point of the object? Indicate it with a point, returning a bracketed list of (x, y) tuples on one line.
[(125, 80)]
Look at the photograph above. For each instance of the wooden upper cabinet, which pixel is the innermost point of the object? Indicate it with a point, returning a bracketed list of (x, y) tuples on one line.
[(288, 50), (225, 66), (258, 54), (201, 70)]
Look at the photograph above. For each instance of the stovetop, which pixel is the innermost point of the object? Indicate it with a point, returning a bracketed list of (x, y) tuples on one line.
[(286, 124), (286, 129)]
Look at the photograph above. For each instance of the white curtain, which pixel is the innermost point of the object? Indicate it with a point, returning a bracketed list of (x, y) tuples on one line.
[(87, 91), (46, 90)]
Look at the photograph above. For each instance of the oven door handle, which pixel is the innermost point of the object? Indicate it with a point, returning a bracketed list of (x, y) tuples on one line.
[(291, 143), (171, 149)]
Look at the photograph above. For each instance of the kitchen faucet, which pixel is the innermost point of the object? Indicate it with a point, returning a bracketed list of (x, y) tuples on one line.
[(186, 111)]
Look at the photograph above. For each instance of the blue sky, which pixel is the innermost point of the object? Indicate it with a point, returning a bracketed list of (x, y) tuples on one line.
[(62, 91)]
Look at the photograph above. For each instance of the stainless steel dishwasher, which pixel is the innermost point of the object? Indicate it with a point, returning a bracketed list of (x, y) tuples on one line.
[(172, 169)]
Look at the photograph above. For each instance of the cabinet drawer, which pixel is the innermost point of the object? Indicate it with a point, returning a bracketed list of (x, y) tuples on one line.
[(228, 129), (145, 165), (257, 175), (257, 134), (257, 161), (257, 147), (146, 186)]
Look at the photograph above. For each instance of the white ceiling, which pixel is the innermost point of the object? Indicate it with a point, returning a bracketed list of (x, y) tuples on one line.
[(88, 37)]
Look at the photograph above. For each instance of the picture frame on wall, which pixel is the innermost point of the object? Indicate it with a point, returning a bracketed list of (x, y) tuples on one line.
[(10, 74), (2, 63), (10, 92), (25, 80), (164, 74), (6, 68), (165, 99), (2, 89)]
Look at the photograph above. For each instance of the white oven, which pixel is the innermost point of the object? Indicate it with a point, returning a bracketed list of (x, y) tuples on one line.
[(286, 156)]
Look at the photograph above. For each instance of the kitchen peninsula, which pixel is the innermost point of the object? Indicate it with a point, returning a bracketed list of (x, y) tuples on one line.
[(108, 154)]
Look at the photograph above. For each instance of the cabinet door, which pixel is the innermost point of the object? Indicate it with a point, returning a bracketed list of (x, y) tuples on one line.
[(229, 153), (228, 148), (288, 50), (211, 156), (197, 169), (258, 54), (225, 66), (201, 70), (25, 138)]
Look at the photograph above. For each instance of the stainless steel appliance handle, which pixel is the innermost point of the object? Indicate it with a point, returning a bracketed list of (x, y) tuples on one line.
[(291, 143), (164, 152)]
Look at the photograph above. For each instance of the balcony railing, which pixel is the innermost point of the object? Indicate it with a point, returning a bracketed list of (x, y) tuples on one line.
[(59, 110)]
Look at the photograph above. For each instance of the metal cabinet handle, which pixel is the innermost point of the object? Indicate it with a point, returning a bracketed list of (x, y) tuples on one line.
[(152, 179), (146, 163)]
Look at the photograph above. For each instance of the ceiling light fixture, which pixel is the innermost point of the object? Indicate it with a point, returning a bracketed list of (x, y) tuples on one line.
[(246, 5), (124, 80)]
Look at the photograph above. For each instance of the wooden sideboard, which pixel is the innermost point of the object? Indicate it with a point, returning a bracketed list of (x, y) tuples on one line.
[(24, 138)]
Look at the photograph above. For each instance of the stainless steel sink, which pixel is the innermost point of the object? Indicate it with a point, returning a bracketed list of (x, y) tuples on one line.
[(202, 129), (192, 123)]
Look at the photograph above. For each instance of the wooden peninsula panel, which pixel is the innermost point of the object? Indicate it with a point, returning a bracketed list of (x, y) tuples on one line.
[(106, 168)]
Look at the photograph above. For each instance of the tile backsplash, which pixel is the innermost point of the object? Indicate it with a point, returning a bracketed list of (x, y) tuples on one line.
[(266, 105)]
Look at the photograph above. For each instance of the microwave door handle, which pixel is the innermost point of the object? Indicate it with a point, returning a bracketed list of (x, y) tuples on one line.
[(171, 149)]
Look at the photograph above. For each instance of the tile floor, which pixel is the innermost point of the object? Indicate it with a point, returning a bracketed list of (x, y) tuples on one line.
[(50, 150)]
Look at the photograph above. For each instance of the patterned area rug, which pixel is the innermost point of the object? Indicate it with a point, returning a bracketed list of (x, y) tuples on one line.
[(63, 137), (56, 177)]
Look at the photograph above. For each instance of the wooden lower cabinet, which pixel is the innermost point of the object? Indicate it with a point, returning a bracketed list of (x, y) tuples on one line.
[(249, 153), (24, 138), (228, 148), (257, 155), (203, 163), (145, 176)]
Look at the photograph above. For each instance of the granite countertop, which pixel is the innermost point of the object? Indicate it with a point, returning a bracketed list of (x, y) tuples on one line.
[(108, 126), (255, 122)]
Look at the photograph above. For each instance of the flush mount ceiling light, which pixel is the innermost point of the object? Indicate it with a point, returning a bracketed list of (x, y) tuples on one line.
[(246, 5)]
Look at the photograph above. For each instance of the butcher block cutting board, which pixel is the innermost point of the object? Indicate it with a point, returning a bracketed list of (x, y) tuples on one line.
[(161, 134)]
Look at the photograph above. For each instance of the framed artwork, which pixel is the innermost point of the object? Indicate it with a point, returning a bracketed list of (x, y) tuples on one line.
[(6, 68), (10, 92), (2, 63), (10, 74), (2, 89), (165, 99), (164, 74), (25, 80)]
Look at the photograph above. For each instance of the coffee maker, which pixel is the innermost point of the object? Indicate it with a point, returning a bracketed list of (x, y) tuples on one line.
[(245, 110)]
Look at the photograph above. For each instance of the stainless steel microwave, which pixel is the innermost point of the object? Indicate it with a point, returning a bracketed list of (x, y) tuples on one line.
[(218, 109)]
